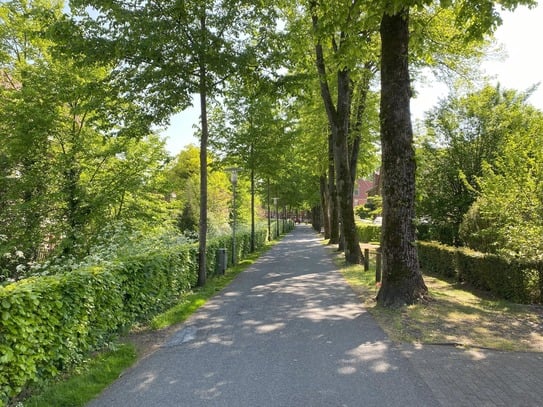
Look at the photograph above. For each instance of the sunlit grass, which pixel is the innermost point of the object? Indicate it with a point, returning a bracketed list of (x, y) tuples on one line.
[(89, 381), (455, 315)]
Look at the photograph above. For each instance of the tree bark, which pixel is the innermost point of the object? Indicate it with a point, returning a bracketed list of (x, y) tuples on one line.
[(325, 207), (202, 229), (338, 118), (270, 236), (353, 253), (332, 195), (252, 207), (402, 282)]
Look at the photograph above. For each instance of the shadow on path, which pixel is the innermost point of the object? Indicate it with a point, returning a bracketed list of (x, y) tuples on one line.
[(287, 332)]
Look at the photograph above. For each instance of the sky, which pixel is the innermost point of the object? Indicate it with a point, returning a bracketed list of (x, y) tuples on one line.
[(521, 68)]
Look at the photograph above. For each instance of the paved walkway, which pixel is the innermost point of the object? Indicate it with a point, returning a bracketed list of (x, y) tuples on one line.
[(290, 332)]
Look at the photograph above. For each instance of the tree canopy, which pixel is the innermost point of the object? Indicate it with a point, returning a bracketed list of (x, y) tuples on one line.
[(303, 96)]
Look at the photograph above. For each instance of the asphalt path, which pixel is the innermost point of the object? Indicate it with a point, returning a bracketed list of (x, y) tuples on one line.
[(288, 331)]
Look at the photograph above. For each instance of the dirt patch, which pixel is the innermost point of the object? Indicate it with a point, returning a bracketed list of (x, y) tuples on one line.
[(147, 340)]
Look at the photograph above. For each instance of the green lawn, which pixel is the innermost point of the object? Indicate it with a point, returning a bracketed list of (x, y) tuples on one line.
[(454, 315)]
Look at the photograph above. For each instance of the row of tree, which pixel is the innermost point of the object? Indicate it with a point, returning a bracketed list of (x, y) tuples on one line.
[(288, 90)]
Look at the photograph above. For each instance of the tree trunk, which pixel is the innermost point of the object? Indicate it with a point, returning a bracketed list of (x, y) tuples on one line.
[(316, 220), (202, 229), (332, 195), (353, 253), (402, 281), (356, 127), (252, 207), (270, 236), (339, 119), (325, 207)]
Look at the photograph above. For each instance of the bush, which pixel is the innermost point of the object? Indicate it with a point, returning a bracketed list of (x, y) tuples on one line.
[(437, 257), (49, 323), (368, 232), (512, 279)]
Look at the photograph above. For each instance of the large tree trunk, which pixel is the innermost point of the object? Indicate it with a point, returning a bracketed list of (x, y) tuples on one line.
[(332, 195), (353, 253), (202, 229), (402, 281)]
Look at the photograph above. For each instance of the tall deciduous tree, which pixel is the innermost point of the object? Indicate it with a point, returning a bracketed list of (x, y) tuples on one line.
[(463, 132), (402, 280), (349, 34), (70, 170), (170, 50)]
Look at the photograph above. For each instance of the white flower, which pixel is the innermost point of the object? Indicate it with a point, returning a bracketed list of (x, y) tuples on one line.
[(20, 268), (20, 254)]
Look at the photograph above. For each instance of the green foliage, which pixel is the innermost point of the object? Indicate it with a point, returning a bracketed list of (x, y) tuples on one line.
[(372, 208), (517, 280), (464, 133), (437, 258), (368, 232), (76, 155), (183, 178), (507, 217), (513, 279), (49, 323)]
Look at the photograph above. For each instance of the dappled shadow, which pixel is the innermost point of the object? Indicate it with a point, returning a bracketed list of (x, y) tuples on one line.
[(287, 332), (464, 318), (474, 376)]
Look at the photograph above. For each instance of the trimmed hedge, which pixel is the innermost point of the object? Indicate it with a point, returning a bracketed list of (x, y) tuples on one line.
[(437, 257), (50, 323), (368, 232), (517, 280)]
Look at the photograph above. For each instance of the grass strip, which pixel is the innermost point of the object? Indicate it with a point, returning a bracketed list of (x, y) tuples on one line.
[(457, 315), (81, 387), (91, 379)]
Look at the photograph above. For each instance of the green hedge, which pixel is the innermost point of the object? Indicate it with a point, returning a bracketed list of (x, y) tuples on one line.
[(368, 232), (517, 280), (50, 323), (437, 257)]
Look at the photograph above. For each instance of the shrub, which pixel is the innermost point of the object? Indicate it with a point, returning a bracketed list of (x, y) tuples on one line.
[(512, 279), (437, 257), (368, 232), (49, 323), (517, 280)]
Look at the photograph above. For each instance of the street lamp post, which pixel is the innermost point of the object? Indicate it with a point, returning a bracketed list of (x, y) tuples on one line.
[(234, 179), (276, 215)]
